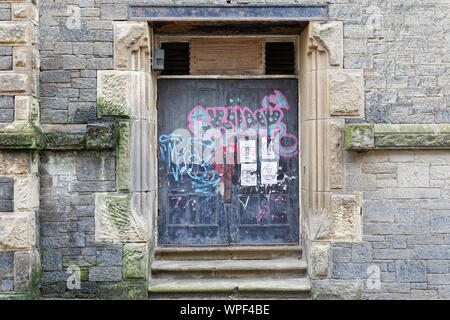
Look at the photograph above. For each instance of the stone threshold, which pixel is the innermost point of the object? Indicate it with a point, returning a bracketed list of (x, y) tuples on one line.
[(368, 136)]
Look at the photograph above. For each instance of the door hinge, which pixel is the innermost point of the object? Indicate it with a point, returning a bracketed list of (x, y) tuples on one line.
[(298, 211)]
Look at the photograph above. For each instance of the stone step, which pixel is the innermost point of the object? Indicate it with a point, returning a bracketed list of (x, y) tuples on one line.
[(298, 288), (274, 268), (229, 252)]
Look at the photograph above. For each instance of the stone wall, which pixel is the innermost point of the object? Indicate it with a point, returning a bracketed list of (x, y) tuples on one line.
[(406, 228), (399, 49), (69, 184), (402, 47), (19, 181)]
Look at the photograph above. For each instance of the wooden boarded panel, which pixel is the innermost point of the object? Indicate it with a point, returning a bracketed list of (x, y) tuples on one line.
[(244, 56)]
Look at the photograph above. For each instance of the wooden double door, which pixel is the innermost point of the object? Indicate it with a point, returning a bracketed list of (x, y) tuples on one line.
[(228, 161)]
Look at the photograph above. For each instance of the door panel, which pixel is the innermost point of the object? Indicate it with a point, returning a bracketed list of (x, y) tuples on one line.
[(206, 195)]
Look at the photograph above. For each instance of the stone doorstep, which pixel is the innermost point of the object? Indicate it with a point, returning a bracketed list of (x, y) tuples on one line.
[(294, 285), (229, 265), (227, 252)]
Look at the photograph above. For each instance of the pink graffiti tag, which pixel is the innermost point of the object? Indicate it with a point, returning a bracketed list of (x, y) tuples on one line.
[(218, 122)]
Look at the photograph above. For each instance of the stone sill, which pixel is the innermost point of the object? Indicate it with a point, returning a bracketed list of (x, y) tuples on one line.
[(368, 136), (93, 136)]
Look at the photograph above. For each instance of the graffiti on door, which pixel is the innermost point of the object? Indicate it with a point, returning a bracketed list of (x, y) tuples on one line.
[(202, 150)]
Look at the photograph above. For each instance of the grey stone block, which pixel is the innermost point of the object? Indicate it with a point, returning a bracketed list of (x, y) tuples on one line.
[(96, 167), (51, 63), (82, 112), (105, 274), (410, 271), (6, 51), (6, 102), (432, 252), (5, 63), (362, 252), (51, 260), (341, 255), (6, 264), (77, 239), (439, 279), (5, 13), (86, 224), (54, 103), (55, 276), (80, 211), (440, 221), (437, 266), (83, 48), (378, 210), (6, 189), (109, 257), (390, 254), (397, 242), (55, 76), (7, 115), (48, 229), (89, 251), (55, 242), (53, 116), (103, 49), (444, 292), (350, 271), (6, 205), (84, 83), (73, 62), (6, 285)]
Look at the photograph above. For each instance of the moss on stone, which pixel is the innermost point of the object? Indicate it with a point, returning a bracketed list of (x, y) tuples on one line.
[(101, 136), (134, 261), (359, 136), (60, 140), (35, 280), (127, 290), (23, 136), (108, 109)]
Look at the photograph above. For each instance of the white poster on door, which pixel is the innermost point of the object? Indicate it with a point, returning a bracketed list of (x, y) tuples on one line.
[(269, 172), (247, 151), (248, 174)]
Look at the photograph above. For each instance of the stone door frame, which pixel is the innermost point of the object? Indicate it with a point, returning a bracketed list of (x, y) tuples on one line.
[(330, 93)]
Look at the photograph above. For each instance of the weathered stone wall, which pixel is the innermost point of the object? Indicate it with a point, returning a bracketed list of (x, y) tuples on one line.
[(402, 47), (69, 183), (406, 224), (401, 51), (19, 181)]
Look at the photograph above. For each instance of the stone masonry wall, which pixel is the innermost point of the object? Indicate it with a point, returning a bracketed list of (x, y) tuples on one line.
[(406, 226), (67, 230), (402, 47)]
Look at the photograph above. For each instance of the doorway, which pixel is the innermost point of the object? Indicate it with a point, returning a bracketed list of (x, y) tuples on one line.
[(228, 161)]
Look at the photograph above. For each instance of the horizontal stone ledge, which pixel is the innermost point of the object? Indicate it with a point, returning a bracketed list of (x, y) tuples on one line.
[(92, 136), (368, 136)]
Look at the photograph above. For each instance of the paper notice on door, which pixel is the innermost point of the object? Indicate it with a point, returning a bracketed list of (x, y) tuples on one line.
[(247, 151), (269, 172), (248, 174)]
